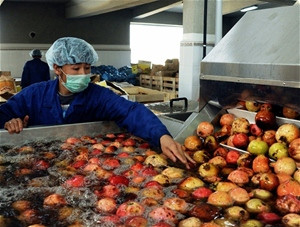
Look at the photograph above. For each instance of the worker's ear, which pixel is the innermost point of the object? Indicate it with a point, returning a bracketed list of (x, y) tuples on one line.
[(57, 69)]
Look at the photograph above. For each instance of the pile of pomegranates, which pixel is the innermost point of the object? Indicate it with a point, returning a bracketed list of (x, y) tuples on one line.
[(254, 178)]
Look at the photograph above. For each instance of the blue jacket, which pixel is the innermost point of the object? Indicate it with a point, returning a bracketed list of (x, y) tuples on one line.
[(41, 102), (34, 71)]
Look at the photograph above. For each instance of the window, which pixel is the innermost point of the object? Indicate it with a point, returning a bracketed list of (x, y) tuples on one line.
[(154, 42)]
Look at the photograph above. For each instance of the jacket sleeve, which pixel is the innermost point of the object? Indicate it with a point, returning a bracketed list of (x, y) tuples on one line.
[(13, 108), (133, 116)]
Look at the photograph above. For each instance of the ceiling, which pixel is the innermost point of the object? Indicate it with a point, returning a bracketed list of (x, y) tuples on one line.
[(85, 8)]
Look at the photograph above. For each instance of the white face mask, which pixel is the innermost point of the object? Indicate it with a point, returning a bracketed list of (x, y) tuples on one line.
[(76, 83)]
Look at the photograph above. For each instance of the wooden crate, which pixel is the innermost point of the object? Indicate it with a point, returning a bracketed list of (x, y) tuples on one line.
[(144, 95), (145, 80), (170, 84), (150, 81)]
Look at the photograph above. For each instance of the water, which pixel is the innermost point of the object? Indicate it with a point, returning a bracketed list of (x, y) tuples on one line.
[(36, 185)]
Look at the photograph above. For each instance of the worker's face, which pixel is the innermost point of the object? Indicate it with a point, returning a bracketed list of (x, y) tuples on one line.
[(76, 69)]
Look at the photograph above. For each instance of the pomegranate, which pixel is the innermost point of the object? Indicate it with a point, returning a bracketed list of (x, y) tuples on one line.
[(54, 200), (255, 130), (260, 164), (129, 142), (239, 195), (75, 181), (265, 119), (21, 205), (232, 157), (269, 218), (193, 143), (227, 119), (220, 199), (268, 181), (130, 208), (240, 140), (289, 113), (290, 187), (291, 219), (118, 179), (181, 193), (257, 147), (225, 186), (218, 161), (208, 170), (176, 204), (282, 177), (240, 125), (73, 140), (163, 213), (257, 205), (109, 191), (285, 165), (238, 177), (286, 133), (107, 205), (297, 175), (205, 212), (236, 213), (201, 193), (288, 204), (269, 137), (156, 160), (294, 149), (278, 150), (191, 221), (205, 129), (191, 183), (252, 106)]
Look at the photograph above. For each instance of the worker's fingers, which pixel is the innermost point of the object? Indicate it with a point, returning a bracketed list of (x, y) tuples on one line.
[(169, 154), (180, 154), (25, 121), (15, 125), (174, 151)]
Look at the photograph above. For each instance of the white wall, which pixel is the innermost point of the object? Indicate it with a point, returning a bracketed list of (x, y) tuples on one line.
[(14, 56)]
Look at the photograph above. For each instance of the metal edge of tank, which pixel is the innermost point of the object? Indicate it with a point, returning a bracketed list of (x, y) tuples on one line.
[(58, 132)]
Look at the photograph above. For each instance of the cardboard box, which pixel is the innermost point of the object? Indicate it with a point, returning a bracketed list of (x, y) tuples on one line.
[(172, 64), (144, 67), (144, 95), (156, 68)]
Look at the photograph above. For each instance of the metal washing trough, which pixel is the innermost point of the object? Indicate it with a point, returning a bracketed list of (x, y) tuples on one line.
[(58, 132)]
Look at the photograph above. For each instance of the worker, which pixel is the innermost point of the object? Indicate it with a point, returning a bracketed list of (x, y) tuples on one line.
[(35, 70), (71, 98)]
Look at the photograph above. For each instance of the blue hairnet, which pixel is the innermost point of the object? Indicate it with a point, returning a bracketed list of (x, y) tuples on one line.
[(70, 50), (35, 53)]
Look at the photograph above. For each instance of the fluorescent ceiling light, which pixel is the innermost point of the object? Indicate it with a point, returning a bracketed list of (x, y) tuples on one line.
[(1, 1), (249, 8)]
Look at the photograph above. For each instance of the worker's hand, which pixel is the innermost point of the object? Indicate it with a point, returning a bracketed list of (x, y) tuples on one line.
[(16, 125), (172, 150)]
